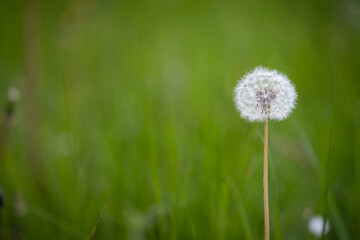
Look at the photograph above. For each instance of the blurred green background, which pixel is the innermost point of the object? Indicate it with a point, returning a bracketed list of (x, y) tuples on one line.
[(135, 99)]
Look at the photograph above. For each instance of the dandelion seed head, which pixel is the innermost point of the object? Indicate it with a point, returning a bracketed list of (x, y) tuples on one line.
[(316, 224), (265, 94)]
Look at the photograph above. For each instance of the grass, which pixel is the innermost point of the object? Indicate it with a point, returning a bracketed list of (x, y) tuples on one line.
[(92, 234), (135, 100)]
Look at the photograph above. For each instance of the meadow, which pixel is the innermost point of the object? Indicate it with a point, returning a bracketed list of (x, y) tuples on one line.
[(134, 100)]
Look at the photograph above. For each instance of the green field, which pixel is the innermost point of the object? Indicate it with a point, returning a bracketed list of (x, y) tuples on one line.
[(134, 99)]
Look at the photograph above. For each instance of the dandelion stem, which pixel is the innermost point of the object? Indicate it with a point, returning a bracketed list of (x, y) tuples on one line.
[(265, 183)]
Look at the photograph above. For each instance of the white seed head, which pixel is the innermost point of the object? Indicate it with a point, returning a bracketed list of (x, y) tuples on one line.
[(265, 94), (316, 224)]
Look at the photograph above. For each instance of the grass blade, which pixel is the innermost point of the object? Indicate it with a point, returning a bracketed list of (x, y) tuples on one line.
[(92, 234)]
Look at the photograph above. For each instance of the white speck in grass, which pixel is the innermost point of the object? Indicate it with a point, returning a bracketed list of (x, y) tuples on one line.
[(265, 94), (315, 225)]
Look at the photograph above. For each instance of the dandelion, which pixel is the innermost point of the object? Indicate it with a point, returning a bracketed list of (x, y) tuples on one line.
[(316, 225), (263, 95)]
